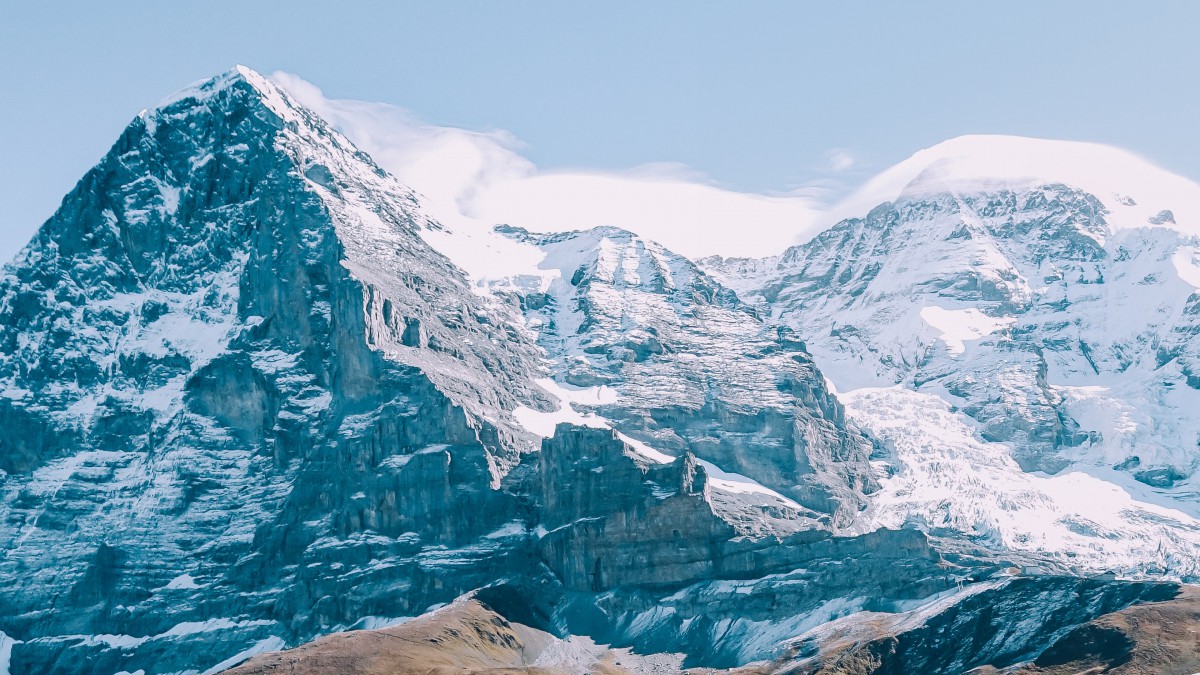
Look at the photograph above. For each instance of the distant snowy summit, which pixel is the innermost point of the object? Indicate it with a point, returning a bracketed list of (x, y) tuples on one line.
[(1136, 192)]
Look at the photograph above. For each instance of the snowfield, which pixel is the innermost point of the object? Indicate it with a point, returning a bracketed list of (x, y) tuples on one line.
[(945, 478)]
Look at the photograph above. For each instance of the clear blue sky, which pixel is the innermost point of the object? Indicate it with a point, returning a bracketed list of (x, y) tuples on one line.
[(755, 95)]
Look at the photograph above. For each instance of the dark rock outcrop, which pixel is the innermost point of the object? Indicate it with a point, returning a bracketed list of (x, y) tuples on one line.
[(996, 625)]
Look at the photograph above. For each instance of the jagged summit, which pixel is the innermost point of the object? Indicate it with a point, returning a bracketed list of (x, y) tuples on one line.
[(163, 197), (204, 89), (230, 349)]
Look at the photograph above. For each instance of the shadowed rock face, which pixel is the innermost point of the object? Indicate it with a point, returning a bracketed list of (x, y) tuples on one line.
[(234, 392), (1153, 638), (648, 555), (615, 519), (1047, 620)]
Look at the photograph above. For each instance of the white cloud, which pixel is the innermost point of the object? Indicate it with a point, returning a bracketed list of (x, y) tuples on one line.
[(476, 179), (840, 160), (482, 176)]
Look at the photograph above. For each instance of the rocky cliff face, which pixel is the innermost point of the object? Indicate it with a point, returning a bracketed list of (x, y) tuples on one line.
[(249, 404), (693, 369), (664, 558), (969, 630), (246, 400)]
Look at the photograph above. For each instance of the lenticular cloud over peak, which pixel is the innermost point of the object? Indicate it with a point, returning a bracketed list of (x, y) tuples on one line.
[(483, 176)]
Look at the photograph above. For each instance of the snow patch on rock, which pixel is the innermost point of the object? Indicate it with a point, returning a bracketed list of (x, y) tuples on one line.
[(543, 423), (960, 325)]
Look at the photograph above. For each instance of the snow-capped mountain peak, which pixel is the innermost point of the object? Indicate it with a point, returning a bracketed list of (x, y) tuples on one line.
[(1045, 293), (1135, 191), (201, 91)]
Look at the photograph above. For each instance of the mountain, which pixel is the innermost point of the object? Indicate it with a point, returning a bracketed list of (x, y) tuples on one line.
[(687, 367), (248, 403), (1148, 638), (257, 392), (226, 358), (1036, 332)]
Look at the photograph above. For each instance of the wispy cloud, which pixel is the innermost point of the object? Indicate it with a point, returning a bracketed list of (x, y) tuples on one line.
[(840, 160), (484, 177)]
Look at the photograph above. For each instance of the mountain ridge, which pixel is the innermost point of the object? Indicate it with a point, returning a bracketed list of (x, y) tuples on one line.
[(258, 393)]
